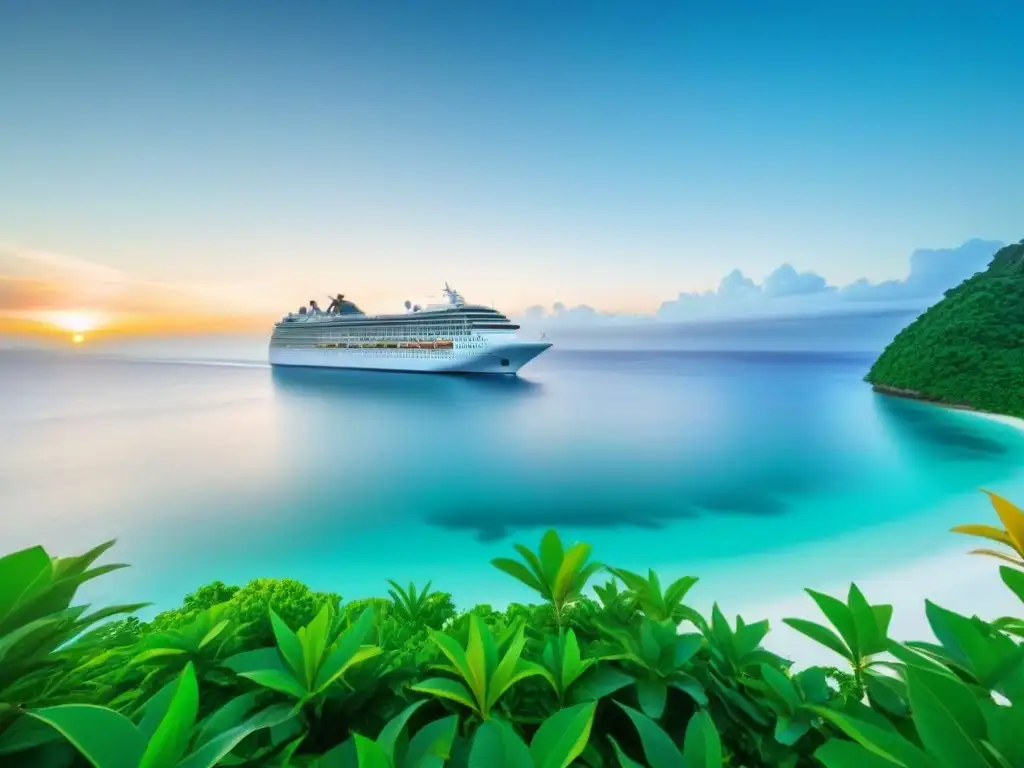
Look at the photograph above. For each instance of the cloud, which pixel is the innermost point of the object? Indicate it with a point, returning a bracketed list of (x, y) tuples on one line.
[(787, 291)]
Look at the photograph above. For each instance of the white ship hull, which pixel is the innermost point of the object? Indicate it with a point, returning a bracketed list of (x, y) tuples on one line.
[(500, 358)]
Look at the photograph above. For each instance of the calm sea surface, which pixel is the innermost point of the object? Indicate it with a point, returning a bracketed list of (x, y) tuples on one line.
[(760, 472)]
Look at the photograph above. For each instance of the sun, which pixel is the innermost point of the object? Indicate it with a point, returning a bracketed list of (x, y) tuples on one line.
[(75, 322), (78, 338)]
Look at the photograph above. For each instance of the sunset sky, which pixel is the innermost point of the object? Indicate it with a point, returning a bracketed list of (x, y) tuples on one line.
[(163, 165)]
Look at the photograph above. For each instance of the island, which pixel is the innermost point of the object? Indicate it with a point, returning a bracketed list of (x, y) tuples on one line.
[(968, 349)]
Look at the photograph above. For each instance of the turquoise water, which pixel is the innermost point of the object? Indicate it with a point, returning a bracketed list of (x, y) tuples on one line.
[(760, 472)]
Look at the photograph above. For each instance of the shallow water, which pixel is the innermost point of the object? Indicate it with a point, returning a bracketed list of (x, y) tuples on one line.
[(759, 471)]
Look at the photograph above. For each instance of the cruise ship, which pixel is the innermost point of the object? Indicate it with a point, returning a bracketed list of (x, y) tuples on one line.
[(455, 337)]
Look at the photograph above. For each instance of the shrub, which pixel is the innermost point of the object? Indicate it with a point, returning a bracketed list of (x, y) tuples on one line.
[(275, 674)]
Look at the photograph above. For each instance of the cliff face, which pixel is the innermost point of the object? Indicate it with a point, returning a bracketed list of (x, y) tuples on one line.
[(969, 348)]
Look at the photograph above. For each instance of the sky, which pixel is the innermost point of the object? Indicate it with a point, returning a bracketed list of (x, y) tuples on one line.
[(171, 161)]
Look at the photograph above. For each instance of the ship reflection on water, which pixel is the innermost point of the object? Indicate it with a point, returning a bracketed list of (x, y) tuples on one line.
[(410, 388)]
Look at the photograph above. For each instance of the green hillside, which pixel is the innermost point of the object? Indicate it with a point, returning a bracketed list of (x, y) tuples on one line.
[(969, 348)]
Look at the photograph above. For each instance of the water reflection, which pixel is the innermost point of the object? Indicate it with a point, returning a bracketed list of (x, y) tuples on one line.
[(361, 386)]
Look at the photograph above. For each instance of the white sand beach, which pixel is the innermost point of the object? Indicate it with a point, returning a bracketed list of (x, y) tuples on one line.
[(954, 579)]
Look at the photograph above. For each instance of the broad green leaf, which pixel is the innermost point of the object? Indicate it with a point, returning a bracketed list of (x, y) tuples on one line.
[(686, 648), (347, 652), (869, 639), (444, 688), (290, 647), (1014, 579), (820, 634), (12, 638), (389, 734), (839, 614), (962, 639), (538, 570), (20, 573), (652, 693), (252, 661), (691, 687), (782, 686), (603, 680), (105, 738), (229, 716), (572, 666), (432, 744), (1004, 726), (214, 633), (276, 680), (517, 571), (370, 753), (496, 745), (313, 638), (26, 733), (217, 748), (702, 748), (947, 718), (563, 736), (454, 653), (504, 675), (879, 741), (476, 661), (155, 708), (551, 556), (658, 747), (788, 730), (171, 739), (837, 753), (624, 760), (156, 653), (571, 563)]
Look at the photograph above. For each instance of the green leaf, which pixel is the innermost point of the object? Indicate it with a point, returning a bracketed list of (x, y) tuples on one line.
[(691, 687), (788, 730), (444, 688), (171, 739), (563, 736), (782, 686), (837, 753), (229, 716), (658, 747), (290, 647), (551, 556), (217, 748), (476, 661), (564, 582), (1014, 579), (624, 760), (432, 744), (517, 571), (820, 634), (880, 741), (869, 639), (276, 680), (839, 614), (947, 717), (702, 748), (389, 734), (506, 673), (314, 643), (26, 733), (603, 680), (105, 738), (214, 633), (370, 753), (652, 694), (348, 651), (496, 745), (20, 574)]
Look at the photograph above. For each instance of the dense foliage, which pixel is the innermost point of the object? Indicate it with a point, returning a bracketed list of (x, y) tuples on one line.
[(969, 348), (273, 674)]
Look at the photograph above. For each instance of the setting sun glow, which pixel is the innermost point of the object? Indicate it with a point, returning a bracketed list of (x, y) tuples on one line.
[(76, 323)]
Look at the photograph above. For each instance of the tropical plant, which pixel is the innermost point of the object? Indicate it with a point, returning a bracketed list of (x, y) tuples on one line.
[(406, 683), (484, 669), (557, 574), (305, 664)]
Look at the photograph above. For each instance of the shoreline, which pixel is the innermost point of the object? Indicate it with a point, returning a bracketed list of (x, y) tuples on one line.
[(910, 394)]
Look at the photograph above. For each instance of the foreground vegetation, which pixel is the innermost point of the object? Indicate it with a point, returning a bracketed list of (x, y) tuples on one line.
[(273, 674), (969, 348)]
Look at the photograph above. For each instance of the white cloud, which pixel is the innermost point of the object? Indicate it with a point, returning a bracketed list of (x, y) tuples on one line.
[(786, 291)]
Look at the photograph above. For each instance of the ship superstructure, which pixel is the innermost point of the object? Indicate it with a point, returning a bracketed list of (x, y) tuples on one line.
[(455, 337)]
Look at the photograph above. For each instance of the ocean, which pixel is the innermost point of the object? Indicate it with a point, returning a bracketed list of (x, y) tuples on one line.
[(760, 471)]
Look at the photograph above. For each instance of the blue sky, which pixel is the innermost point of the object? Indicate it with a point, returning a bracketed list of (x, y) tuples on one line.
[(610, 154)]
